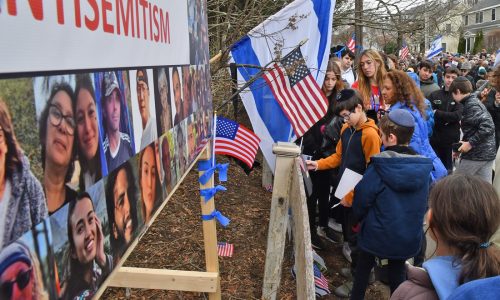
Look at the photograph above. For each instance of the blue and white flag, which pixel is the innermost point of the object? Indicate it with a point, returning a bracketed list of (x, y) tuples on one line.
[(497, 59), (271, 40), (436, 47)]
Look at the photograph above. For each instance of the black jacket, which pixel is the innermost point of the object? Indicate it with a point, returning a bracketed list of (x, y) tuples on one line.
[(478, 130), (446, 118), (494, 111)]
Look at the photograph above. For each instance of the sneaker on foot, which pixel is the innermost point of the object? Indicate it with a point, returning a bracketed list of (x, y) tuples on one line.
[(346, 251), (346, 273), (334, 225), (330, 235), (344, 291)]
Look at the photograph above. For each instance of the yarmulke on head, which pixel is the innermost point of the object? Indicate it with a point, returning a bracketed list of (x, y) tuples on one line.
[(402, 117)]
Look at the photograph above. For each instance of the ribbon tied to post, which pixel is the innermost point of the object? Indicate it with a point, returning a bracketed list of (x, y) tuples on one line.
[(210, 192), (206, 165), (224, 221)]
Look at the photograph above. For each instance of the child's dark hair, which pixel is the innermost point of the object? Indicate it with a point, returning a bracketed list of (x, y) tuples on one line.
[(426, 64), (348, 99), (465, 212), (403, 134), (452, 70), (461, 84)]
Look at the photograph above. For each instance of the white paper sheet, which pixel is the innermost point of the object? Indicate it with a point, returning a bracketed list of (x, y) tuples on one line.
[(347, 183)]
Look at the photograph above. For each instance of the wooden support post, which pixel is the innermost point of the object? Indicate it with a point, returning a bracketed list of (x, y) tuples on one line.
[(286, 154), (301, 237), (210, 229), (267, 175)]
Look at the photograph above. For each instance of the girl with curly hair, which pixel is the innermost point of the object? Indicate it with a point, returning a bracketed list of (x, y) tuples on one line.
[(401, 92)]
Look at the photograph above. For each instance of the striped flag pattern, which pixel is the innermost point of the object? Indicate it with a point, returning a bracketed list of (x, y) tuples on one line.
[(351, 44), (225, 249), (296, 91), (235, 140), (404, 51), (320, 280)]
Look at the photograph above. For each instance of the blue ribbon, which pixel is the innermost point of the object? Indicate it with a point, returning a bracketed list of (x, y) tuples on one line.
[(206, 165), (210, 193), (216, 214)]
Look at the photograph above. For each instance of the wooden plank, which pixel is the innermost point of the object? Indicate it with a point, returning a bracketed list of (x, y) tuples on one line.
[(144, 278), (301, 236), (286, 153), (134, 243), (210, 229)]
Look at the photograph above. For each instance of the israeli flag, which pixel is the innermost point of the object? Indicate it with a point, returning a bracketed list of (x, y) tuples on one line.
[(274, 38), (436, 47), (497, 59)]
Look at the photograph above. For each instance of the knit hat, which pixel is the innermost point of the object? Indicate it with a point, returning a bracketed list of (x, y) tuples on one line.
[(481, 71), (402, 117), (13, 253)]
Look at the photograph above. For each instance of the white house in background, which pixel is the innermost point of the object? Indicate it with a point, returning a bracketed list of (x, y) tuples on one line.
[(445, 19), (485, 16)]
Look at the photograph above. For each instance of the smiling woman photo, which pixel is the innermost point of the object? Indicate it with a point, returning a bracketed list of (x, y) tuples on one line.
[(57, 136), (88, 265), (87, 131)]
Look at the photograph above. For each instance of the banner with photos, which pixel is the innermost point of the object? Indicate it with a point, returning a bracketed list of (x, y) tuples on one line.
[(104, 106)]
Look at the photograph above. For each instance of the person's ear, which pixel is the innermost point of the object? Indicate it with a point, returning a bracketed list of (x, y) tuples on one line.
[(392, 138), (429, 217)]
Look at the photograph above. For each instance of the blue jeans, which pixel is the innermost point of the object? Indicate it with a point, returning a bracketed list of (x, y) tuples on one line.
[(365, 263)]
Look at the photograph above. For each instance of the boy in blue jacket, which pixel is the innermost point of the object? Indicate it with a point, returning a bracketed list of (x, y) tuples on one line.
[(391, 201)]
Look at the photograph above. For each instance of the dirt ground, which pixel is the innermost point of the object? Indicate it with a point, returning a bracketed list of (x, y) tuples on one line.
[(175, 241)]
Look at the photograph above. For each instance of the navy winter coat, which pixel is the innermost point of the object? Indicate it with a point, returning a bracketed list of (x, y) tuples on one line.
[(391, 201)]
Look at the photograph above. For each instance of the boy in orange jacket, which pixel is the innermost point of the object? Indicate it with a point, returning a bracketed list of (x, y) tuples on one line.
[(359, 141)]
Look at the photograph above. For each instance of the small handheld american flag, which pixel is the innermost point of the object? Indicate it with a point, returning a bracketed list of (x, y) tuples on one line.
[(225, 249), (351, 44), (404, 51), (235, 140), (297, 92)]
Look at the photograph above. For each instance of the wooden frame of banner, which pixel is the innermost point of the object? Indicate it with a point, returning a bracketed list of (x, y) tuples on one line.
[(288, 191), (189, 281)]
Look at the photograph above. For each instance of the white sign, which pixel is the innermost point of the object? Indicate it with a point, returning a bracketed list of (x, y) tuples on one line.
[(56, 35)]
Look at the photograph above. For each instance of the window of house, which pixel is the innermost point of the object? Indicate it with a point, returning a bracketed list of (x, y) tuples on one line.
[(443, 45), (466, 20), (477, 17), (448, 28), (481, 17), (493, 17)]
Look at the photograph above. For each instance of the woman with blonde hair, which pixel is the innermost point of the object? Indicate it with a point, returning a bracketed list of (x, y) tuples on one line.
[(371, 71)]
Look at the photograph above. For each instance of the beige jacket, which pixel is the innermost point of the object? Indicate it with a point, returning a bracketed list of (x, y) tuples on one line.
[(418, 286)]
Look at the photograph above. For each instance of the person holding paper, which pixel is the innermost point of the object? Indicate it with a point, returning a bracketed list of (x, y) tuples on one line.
[(359, 140), (391, 208)]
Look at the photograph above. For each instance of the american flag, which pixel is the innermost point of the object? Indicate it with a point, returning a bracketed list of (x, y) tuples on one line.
[(320, 280), (225, 249), (296, 91), (351, 44), (404, 51), (235, 140)]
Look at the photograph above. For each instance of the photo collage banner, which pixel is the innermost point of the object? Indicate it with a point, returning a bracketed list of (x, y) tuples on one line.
[(104, 106)]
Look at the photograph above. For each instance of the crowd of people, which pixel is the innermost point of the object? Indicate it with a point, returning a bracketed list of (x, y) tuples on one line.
[(424, 135)]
